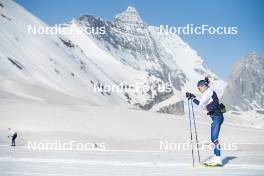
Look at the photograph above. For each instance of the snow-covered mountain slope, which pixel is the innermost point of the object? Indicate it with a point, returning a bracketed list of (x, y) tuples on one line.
[(245, 90), (43, 66), (181, 54), (68, 66), (166, 59)]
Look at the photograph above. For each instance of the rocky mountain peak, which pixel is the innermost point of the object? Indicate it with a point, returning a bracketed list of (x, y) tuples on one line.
[(131, 15), (250, 62), (245, 88)]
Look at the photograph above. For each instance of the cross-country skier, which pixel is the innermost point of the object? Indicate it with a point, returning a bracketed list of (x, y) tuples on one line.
[(13, 136), (210, 101)]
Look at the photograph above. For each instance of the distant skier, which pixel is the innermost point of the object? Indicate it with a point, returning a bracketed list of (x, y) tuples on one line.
[(210, 100), (13, 136)]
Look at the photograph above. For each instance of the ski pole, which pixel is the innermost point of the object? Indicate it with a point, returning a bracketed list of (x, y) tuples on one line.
[(196, 136), (191, 132)]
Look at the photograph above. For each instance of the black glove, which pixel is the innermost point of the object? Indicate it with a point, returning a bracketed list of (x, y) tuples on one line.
[(190, 95)]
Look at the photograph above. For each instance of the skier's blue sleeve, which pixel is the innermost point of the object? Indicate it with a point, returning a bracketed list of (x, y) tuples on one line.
[(197, 102)]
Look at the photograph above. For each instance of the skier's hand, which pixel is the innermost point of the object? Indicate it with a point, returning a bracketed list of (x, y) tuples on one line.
[(190, 95)]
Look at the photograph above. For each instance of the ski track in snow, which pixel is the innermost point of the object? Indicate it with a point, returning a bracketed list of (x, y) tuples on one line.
[(24, 162)]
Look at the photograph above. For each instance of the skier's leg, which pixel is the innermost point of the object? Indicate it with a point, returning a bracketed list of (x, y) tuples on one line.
[(14, 140), (215, 129)]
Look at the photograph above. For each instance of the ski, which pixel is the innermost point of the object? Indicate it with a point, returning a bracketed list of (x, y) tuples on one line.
[(212, 166)]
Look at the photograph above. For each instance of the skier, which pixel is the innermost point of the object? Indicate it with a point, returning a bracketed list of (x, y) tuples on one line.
[(210, 100), (13, 136)]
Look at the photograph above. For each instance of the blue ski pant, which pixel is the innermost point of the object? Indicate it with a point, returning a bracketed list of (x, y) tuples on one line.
[(217, 119)]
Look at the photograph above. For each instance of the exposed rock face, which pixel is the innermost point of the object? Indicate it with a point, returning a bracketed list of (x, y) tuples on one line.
[(176, 108), (245, 88), (167, 59)]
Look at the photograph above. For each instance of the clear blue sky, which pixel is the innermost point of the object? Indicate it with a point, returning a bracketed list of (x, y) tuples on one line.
[(218, 51)]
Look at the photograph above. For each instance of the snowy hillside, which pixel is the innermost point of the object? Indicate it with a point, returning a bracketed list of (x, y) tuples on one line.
[(43, 66)]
